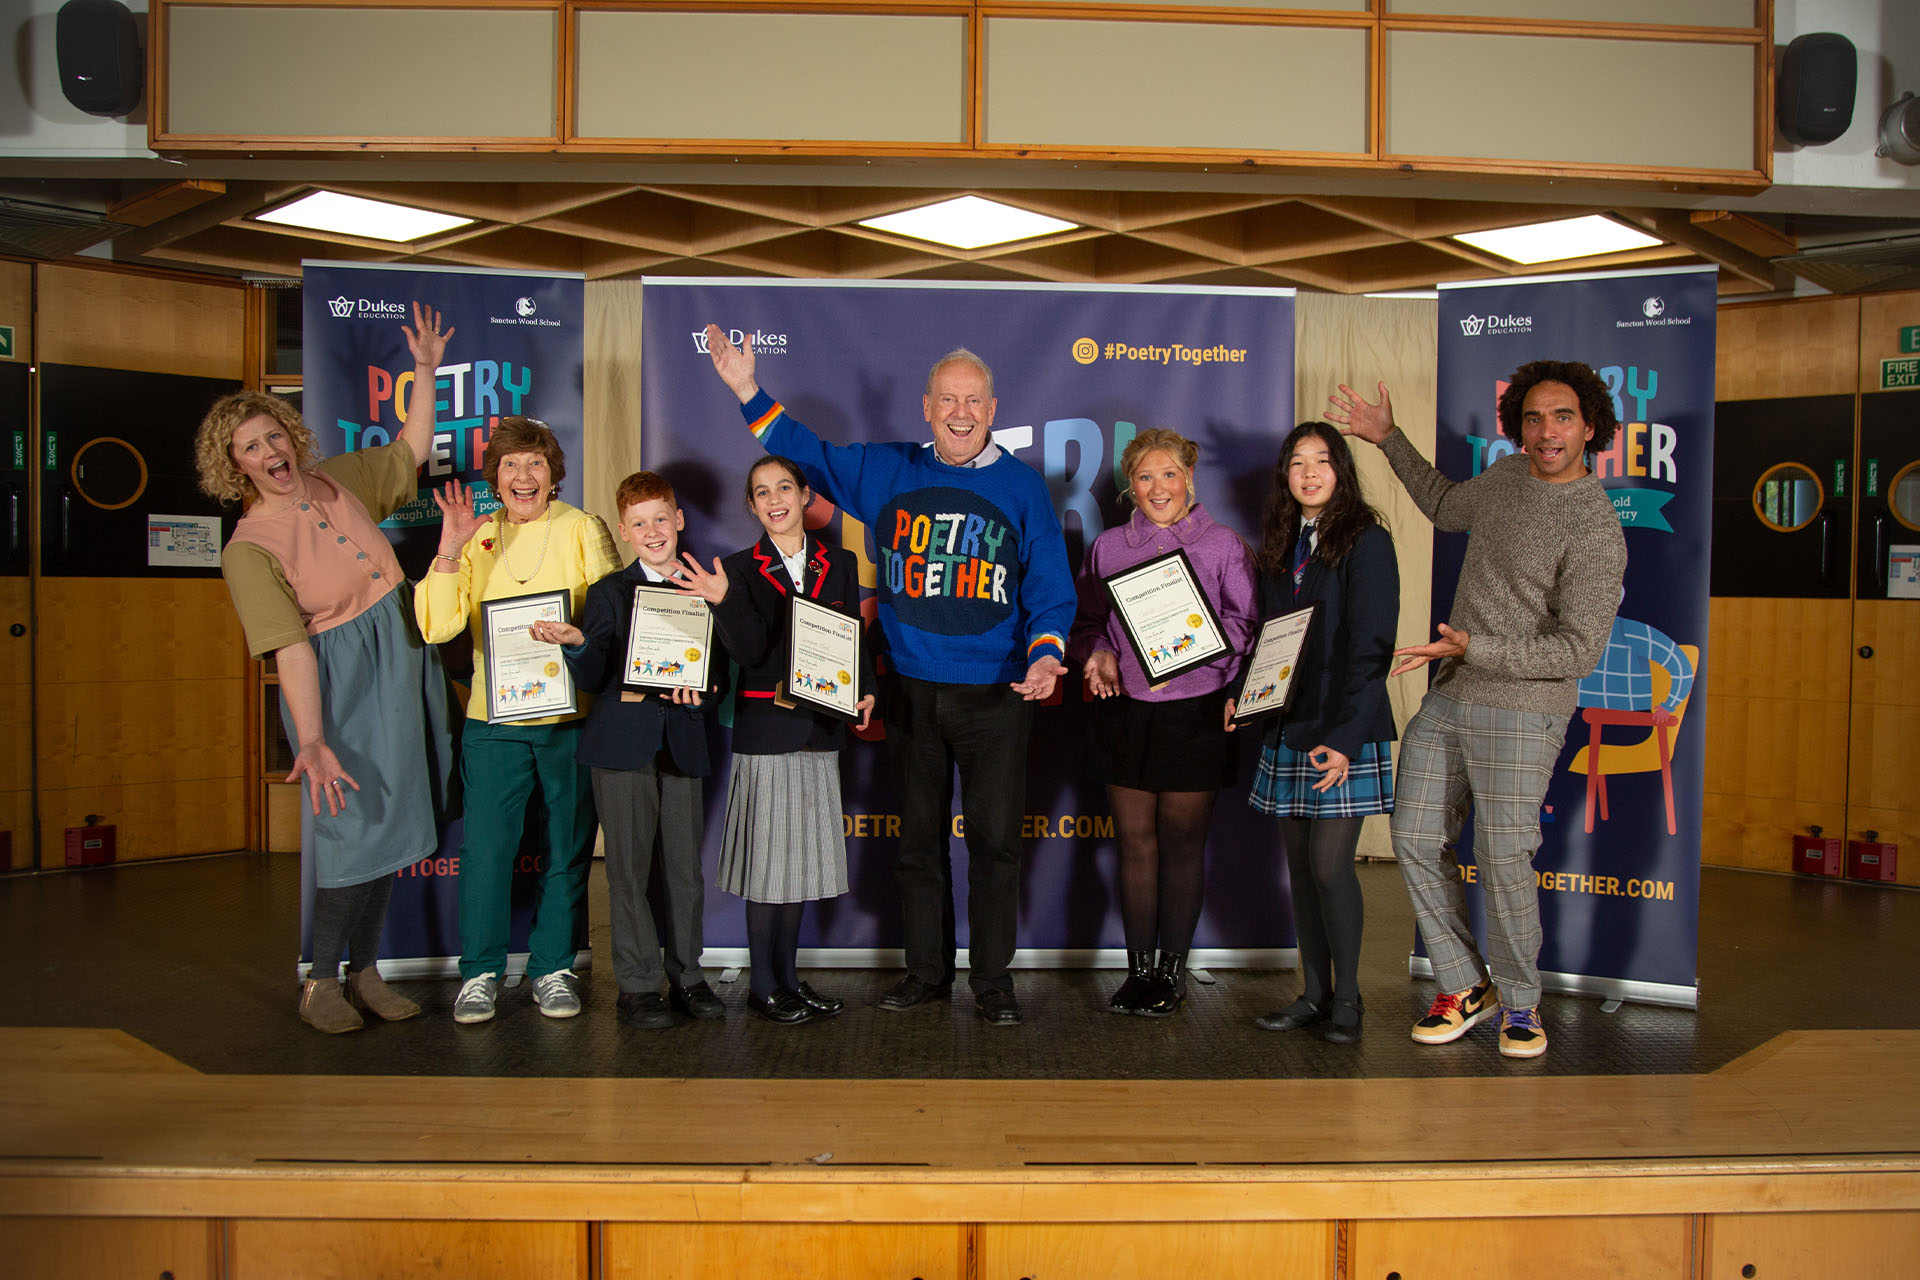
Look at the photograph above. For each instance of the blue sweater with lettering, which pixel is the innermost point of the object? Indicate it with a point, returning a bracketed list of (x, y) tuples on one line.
[(974, 584)]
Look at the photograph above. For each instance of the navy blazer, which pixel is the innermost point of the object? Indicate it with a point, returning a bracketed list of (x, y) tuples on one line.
[(1341, 700), (627, 735), (753, 624)]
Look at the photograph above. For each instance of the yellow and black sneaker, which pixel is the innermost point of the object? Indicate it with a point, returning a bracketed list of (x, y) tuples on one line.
[(1452, 1016)]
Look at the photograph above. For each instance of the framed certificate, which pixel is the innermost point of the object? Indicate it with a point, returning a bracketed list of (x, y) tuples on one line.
[(527, 679), (823, 659), (1166, 616), (1267, 686), (669, 641)]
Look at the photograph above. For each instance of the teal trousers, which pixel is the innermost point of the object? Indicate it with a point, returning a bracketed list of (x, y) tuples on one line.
[(501, 765)]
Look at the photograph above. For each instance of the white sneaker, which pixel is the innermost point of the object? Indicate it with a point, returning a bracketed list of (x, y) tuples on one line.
[(555, 995), (476, 999)]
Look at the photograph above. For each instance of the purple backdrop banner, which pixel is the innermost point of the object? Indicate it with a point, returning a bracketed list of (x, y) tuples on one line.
[(1077, 372), (518, 349), (1619, 866)]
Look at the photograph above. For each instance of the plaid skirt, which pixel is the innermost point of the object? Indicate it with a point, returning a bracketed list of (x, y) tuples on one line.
[(1283, 786)]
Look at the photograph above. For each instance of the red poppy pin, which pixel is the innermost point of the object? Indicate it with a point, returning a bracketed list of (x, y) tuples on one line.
[(486, 544)]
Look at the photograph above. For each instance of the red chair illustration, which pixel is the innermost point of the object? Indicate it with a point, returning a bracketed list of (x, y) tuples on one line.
[(1655, 751)]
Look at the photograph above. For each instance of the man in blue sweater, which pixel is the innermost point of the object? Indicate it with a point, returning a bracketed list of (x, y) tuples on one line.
[(975, 600)]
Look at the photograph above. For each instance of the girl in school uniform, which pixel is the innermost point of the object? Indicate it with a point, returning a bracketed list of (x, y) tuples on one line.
[(782, 845), (1328, 762)]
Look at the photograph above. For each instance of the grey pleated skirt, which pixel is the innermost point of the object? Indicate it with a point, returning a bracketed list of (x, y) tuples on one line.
[(783, 841)]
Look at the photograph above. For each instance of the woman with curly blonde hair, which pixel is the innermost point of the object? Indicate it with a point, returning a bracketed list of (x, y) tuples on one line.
[(1161, 749), (317, 586)]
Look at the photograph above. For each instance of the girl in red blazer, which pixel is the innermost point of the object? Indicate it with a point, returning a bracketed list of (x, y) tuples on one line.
[(782, 845)]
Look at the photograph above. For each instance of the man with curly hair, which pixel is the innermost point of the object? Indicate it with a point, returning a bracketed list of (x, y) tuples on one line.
[(1531, 615)]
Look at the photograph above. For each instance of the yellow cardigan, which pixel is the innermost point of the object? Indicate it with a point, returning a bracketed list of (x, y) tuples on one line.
[(579, 552)]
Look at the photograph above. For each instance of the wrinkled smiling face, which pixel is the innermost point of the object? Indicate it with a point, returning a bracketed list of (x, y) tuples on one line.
[(960, 412), (526, 483), (779, 503), (1554, 432), (265, 454)]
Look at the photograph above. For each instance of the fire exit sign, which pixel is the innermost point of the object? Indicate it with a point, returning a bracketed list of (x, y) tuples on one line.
[(1910, 338), (6, 342)]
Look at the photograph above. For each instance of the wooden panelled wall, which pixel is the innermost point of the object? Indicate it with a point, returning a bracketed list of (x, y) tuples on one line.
[(1725, 1246), (141, 684), (1800, 732), (16, 607), (1336, 85)]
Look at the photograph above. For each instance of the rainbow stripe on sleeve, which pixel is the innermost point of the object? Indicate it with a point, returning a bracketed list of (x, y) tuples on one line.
[(760, 424)]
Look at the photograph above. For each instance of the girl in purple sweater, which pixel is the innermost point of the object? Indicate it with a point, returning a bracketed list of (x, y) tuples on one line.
[(1161, 749)]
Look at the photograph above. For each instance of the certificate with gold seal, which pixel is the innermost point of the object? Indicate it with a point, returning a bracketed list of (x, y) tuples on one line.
[(1167, 617), (823, 660), (527, 679), (1267, 686), (669, 641)]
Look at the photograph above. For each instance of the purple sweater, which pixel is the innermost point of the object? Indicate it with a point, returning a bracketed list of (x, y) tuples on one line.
[(1225, 568)]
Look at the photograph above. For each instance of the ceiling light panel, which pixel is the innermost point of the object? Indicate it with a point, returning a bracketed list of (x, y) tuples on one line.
[(366, 219), (968, 222), (1559, 240)]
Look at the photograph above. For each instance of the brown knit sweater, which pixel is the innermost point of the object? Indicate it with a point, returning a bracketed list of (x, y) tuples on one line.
[(1540, 584)]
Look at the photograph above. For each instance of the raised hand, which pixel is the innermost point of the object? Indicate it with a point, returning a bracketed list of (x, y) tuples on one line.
[(695, 581), (424, 339), (325, 777), (733, 364), (458, 523), (1371, 422)]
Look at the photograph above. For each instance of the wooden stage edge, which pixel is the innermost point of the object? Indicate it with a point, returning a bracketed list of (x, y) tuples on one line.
[(94, 1124)]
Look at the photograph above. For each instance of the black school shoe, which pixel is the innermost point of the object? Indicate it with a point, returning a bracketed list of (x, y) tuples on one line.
[(911, 991), (697, 1001), (643, 1009), (782, 1006), (822, 1006), (998, 1009), (1343, 1023)]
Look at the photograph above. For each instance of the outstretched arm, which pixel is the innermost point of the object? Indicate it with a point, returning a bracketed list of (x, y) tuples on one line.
[(300, 682), (1438, 498), (429, 346), (1355, 417)]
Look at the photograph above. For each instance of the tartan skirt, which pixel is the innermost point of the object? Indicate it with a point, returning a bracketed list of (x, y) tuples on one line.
[(1283, 785)]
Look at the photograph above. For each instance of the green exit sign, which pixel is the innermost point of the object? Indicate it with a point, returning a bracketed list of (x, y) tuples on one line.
[(1910, 337), (6, 342)]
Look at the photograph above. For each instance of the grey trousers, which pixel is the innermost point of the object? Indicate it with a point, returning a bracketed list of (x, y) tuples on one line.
[(636, 805), (1455, 754)]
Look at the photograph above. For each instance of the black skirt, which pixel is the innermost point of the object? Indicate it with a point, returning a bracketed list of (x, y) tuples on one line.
[(1161, 746)]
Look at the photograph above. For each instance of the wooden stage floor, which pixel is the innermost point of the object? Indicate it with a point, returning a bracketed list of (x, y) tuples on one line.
[(196, 1130)]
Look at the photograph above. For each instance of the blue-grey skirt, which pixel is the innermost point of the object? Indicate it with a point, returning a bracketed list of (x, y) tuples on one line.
[(383, 708), (1283, 786)]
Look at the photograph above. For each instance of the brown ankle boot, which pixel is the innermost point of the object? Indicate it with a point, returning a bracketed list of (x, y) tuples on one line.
[(323, 1008), (367, 990)]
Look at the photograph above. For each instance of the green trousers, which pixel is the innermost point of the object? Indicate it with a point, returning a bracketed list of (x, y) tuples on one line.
[(501, 765)]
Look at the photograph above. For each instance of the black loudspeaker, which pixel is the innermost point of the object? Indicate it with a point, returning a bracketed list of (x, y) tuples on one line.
[(1813, 99), (97, 43)]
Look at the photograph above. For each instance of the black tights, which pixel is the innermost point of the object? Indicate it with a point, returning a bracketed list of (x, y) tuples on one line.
[(1327, 907), (1163, 864), (349, 920), (773, 946)]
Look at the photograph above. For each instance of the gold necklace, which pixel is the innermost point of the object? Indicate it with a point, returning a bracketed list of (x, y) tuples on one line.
[(545, 539)]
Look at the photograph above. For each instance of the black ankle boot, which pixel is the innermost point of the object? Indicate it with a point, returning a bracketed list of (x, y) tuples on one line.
[(1139, 984), (1169, 986)]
